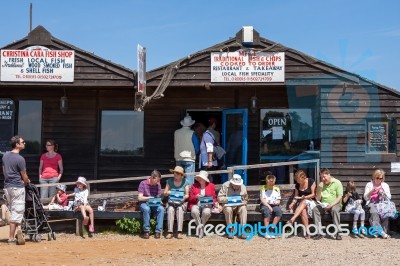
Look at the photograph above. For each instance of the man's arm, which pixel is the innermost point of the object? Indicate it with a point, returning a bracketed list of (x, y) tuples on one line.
[(25, 177), (222, 194)]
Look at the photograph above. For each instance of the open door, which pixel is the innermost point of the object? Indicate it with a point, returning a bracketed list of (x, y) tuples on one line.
[(234, 139)]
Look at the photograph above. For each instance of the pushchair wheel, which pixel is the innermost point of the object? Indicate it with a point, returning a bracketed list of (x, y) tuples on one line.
[(37, 238), (53, 235), (48, 236)]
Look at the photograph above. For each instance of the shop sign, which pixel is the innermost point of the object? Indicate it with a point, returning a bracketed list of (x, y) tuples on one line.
[(247, 66), (37, 64)]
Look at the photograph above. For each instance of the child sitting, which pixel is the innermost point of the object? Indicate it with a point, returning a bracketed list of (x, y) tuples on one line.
[(60, 199), (270, 197), (81, 204), (352, 204)]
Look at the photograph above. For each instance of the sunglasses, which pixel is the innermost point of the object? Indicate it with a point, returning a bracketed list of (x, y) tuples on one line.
[(379, 178)]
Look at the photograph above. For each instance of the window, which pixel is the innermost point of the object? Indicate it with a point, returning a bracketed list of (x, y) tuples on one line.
[(287, 132), (122, 133), (381, 136), (30, 125)]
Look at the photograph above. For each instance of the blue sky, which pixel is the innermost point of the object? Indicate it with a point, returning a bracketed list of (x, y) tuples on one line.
[(362, 37)]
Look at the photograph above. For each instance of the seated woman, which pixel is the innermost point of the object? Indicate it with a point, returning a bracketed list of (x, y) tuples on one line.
[(303, 201), (201, 188), (376, 191), (179, 185)]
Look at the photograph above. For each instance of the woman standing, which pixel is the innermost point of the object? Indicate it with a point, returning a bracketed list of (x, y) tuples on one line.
[(376, 191), (303, 201), (50, 169)]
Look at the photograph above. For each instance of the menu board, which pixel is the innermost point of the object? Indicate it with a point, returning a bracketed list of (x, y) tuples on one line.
[(7, 114), (378, 141)]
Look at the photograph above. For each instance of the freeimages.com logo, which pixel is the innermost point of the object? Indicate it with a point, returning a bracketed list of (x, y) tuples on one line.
[(251, 230)]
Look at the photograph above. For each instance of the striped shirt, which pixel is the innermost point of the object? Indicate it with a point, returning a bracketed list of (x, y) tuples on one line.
[(148, 190)]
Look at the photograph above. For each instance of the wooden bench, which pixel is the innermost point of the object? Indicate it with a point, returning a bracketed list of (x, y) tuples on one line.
[(253, 216)]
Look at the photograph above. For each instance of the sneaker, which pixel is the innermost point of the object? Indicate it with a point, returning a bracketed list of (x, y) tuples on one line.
[(201, 233), (318, 237), (168, 236), (20, 237), (363, 232), (338, 237), (267, 236), (272, 237), (91, 228), (85, 220), (355, 231), (157, 235), (12, 241), (146, 235), (385, 236), (179, 235)]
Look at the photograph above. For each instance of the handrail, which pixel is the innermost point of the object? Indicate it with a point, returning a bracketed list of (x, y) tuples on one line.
[(230, 171)]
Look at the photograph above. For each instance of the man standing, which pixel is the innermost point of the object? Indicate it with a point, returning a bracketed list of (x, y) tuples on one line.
[(186, 146), (234, 187), (151, 188), (329, 193), (15, 179)]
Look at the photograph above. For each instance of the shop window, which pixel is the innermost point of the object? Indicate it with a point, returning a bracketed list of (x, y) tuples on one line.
[(30, 125), (122, 133), (287, 132), (381, 136)]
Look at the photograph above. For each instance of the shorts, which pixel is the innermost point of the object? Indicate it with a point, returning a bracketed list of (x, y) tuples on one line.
[(16, 203), (276, 210)]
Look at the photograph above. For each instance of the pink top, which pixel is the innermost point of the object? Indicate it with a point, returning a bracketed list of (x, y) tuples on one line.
[(64, 199), (375, 195), (50, 165)]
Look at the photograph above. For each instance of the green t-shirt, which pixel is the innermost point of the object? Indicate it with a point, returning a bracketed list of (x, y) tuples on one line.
[(330, 192)]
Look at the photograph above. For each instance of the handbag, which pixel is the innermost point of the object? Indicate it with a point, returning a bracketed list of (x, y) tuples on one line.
[(386, 209), (218, 152)]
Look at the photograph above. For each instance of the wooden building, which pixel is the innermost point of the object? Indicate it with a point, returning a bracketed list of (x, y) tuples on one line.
[(282, 104), (314, 110), (97, 86)]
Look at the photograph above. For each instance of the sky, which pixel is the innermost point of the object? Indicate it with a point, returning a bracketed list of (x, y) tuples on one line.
[(361, 37)]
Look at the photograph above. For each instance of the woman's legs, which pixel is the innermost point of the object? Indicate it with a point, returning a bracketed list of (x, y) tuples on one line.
[(302, 205)]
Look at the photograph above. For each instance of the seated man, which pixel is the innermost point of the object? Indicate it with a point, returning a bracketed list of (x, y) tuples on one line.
[(329, 198), (234, 187), (148, 189)]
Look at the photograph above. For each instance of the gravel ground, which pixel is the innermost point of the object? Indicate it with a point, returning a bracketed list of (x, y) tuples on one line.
[(114, 249)]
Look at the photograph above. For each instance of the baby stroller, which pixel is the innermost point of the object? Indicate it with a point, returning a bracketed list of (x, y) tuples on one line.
[(35, 221)]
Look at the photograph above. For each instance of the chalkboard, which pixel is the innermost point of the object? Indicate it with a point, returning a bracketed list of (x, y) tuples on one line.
[(7, 117), (378, 141)]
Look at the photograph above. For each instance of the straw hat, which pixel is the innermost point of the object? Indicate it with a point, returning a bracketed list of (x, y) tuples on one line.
[(236, 180), (187, 121), (81, 180), (203, 175), (178, 170)]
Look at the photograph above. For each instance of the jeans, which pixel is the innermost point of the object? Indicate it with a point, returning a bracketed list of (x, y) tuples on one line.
[(147, 211), (48, 192), (188, 167)]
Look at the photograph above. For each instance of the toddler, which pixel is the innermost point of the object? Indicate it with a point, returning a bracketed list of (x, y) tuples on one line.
[(60, 200), (352, 204)]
